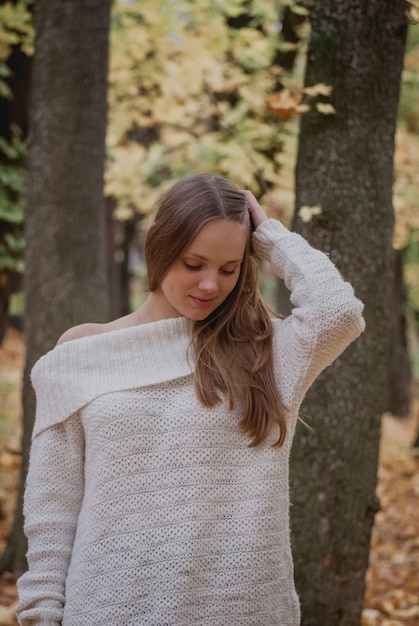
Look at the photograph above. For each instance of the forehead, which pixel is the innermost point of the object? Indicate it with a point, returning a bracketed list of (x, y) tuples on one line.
[(220, 238)]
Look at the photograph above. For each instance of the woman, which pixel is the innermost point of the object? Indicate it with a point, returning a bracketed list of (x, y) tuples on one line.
[(158, 485)]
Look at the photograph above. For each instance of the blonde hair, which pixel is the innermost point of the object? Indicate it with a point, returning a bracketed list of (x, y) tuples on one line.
[(233, 345)]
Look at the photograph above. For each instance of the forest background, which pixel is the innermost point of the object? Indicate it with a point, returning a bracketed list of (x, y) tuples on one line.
[(235, 92)]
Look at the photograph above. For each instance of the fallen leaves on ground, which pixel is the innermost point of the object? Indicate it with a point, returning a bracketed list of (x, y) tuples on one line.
[(392, 596)]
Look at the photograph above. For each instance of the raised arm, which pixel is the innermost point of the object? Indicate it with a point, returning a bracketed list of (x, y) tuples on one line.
[(326, 316)]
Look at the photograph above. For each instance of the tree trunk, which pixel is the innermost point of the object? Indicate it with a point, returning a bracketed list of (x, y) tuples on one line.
[(65, 270), (400, 370), (345, 165)]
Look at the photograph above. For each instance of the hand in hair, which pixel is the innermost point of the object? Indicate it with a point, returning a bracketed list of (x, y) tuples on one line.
[(257, 214)]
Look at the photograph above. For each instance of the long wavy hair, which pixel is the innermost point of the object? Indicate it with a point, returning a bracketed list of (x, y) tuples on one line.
[(233, 345)]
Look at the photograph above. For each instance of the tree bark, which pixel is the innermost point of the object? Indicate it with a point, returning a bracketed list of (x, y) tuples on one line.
[(65, 268), (345, 165), (400, 371)]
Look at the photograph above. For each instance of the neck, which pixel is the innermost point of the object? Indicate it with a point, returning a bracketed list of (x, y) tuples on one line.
[(155, 308)]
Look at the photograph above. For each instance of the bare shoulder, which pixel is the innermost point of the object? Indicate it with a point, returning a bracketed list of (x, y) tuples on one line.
[(90, 329), (82, 330)]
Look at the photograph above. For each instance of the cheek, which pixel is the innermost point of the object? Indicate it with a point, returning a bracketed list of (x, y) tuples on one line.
[(230, 284), (182, 280)]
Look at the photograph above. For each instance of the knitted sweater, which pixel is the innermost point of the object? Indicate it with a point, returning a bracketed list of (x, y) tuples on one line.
[(142, 506)]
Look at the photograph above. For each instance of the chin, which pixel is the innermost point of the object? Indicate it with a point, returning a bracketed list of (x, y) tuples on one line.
[(199, 316)]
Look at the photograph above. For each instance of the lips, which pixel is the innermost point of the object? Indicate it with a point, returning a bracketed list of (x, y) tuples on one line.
[(203, 303)]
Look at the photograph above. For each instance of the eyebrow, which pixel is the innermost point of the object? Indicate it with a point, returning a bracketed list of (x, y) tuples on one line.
[(203, 258)]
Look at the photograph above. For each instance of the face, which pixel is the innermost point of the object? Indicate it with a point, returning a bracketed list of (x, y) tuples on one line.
[(206, 272)]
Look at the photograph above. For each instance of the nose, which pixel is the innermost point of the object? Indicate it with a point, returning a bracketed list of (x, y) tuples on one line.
[(209, 282)]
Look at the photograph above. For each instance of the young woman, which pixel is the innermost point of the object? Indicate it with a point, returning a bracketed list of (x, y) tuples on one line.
[(157, 493)]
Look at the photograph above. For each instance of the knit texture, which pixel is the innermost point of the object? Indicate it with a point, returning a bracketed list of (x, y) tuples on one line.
[(145, 508)]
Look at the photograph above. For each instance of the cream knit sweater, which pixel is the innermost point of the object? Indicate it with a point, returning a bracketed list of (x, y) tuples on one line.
[(145, 508)]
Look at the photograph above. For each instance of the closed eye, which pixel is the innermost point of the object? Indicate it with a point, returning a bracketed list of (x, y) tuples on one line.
[(192, 268), (197, 268)]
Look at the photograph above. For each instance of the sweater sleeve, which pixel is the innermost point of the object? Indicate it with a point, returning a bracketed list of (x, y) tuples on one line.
[(53, 496), (326, 316)]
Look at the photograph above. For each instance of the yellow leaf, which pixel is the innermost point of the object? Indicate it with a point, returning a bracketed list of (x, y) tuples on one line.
[(320, 89), (302, 108), (306, 213), (326, 108)]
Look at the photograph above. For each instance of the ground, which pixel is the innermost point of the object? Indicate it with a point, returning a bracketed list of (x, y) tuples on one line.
[(392, 596)]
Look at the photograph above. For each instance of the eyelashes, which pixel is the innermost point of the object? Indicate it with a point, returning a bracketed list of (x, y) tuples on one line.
[(196, 268)]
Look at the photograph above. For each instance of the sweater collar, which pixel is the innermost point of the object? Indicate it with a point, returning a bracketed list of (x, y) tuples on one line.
[(74, 373)]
